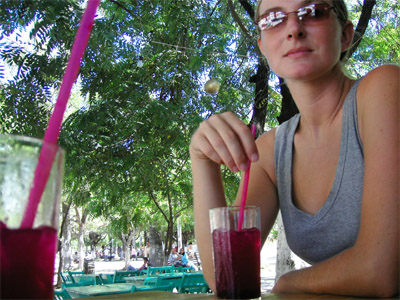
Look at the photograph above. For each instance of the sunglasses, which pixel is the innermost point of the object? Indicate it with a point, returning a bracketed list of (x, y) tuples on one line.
[(308, 14)]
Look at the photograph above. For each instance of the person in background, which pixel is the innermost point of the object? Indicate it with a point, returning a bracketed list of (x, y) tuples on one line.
[(332, 170), (185, 261), (133, 253), (140, 252), (190, 251), (76, 257), (147, 250), (145, 265), (174, 258)]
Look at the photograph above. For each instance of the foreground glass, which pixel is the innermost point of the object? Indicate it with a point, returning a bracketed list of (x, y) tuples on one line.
[(236, 253), (27, 255)]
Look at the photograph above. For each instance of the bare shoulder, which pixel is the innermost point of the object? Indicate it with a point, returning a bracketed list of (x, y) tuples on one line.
[(382, 81), (265, 146), (385, 72), (266, 142), (378, 98)]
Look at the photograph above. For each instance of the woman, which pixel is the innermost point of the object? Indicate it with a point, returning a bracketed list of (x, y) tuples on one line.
[(185, 260), (332, 170)]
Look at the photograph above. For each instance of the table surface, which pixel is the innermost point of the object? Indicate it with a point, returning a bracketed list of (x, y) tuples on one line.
[(163, 275), (106, 289), (173, 296), (84, 277), (134, 278)]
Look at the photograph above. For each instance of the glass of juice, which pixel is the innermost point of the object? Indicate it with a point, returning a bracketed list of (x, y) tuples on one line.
[(27, 255), (236, 253)]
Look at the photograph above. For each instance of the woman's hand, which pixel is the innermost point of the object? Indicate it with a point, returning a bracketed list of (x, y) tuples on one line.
[(224, 139)]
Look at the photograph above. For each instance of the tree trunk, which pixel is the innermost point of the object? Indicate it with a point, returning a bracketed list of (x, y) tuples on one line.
[(94, 239), (66, 245), (284, 261), (133, 243), (60, 266), (81, 234), (126, 245), (156, 251), (168, 239), (65, 212), (179, 230), (261, 96)]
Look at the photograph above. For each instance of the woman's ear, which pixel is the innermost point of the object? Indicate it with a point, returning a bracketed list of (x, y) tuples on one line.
[(347, 35), (259, 44), (261, 47)]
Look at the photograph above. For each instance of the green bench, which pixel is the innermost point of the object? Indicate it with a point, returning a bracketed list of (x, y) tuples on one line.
[(119, 275), (193, 283), (61, 295), (152, 271)]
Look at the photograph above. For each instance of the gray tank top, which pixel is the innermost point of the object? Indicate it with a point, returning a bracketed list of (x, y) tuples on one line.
[(335, 227)]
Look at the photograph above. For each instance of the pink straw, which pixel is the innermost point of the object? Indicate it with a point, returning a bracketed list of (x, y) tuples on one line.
[(48, 151), (245, 186)]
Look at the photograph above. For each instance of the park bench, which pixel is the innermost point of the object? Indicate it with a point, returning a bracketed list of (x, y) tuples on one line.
[(151, 271), (167, 287), (66, 278), (61, 295), (193, 283), (119, 275)]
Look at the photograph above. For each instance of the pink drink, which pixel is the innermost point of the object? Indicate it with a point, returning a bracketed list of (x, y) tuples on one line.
[(27, 262), (237, 263)]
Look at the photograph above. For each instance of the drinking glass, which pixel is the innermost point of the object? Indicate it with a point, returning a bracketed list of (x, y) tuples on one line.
[(27, 255), (236, 253)]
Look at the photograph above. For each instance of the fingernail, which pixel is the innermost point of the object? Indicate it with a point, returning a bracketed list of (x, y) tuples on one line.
[(243, 166), (235, 169), (254, 157)]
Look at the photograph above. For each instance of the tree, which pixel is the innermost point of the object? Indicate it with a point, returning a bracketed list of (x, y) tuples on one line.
[(94, 239), (81, 217), (127, 144)]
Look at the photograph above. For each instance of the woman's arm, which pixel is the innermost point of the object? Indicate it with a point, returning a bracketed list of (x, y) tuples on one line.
[(371, 266), (223, 139)]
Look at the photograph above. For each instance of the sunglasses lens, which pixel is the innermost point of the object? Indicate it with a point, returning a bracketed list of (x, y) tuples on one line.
[(311, 13), (271, 20), (317, 12)]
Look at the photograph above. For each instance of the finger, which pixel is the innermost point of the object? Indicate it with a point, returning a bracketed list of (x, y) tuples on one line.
[(246, 137), (215, 147), (227, 142), (248, 149)]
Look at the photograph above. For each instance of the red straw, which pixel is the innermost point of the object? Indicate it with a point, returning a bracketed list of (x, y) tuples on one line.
[(245, 186), (47, 153)]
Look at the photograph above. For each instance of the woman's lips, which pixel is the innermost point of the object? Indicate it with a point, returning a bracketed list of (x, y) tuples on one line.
[(298, 52)]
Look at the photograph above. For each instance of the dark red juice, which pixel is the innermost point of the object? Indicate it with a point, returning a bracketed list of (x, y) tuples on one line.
[(237, 263), (27, 262)]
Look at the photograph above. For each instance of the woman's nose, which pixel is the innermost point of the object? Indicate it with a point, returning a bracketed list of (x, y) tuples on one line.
[(295, 27)]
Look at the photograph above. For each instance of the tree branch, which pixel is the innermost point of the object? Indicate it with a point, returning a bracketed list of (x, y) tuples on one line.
[(123, 7), (70, 198), (158, 205), (248, 8), (215, 7), (362, 25), (240, 23)]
